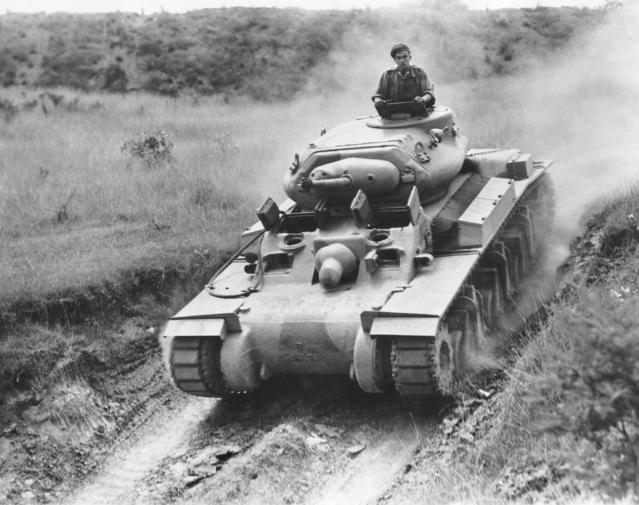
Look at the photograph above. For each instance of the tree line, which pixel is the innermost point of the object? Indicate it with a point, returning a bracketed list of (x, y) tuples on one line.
[(264, 53)]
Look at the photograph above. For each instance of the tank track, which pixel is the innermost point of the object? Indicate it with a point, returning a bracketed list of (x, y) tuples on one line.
[(195, 366), (418, 364), (424, 366)]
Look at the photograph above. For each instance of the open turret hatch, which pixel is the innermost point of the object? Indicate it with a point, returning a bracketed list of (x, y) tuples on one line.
[(437, 117)]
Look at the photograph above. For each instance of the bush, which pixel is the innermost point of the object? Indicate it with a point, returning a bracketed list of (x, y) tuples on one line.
[(160, 83), (223, 143), (76, 69), (115, 78), (8, 70), (8, 110), (152, 148), (594, 387)]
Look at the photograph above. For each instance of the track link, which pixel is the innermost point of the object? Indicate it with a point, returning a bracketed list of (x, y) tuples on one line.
[(195, 366), (414, 366)]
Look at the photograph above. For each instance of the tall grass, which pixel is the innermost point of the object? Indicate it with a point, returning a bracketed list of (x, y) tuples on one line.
[(46, 157), (74, 209)]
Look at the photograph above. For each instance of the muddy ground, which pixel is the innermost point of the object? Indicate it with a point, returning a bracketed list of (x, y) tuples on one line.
[(121, 433), (331, 444), (322, 441), (117, 431), (126, 435)]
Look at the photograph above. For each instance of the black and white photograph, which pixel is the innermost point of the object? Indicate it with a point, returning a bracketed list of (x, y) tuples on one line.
[(337, 252)]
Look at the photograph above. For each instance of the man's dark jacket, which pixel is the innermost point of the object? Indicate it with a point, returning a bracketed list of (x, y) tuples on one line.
[(396, 87)]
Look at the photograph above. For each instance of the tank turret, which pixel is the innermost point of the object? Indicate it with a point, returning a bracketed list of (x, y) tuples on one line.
[(384, 158)]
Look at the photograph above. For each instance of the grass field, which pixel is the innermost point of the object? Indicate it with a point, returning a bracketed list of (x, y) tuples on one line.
[(75, 210)]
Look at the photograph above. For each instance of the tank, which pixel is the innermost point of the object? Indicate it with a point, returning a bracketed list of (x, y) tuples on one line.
[(397, 252)]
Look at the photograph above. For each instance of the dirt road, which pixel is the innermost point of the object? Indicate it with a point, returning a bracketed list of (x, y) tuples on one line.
[(324, 443)]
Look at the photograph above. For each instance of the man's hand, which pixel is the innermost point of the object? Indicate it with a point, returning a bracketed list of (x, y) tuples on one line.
[(426, 100), (377, 99)]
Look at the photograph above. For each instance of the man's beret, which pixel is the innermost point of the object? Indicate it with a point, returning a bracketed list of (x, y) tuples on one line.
[(398, 48)]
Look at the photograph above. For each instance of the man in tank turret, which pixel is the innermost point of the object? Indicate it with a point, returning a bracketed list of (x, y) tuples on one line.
[(404, 83)]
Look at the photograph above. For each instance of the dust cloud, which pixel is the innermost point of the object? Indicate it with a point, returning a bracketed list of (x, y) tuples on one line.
[(582, 113), (578, 109)]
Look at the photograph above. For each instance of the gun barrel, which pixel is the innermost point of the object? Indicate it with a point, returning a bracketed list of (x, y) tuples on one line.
[(339, 182)]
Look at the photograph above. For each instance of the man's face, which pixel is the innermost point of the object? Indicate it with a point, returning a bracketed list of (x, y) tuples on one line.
[(403, 60)]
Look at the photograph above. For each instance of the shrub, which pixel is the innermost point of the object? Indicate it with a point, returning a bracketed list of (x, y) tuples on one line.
[(152, 148), (223, 143), (595, 385), (8, 70), (75, 68), (161, 84), (8, 110), (148, 48), (115, 78)]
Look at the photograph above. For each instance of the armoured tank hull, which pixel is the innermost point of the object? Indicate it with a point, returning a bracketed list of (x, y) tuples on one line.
[(397, 250)]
